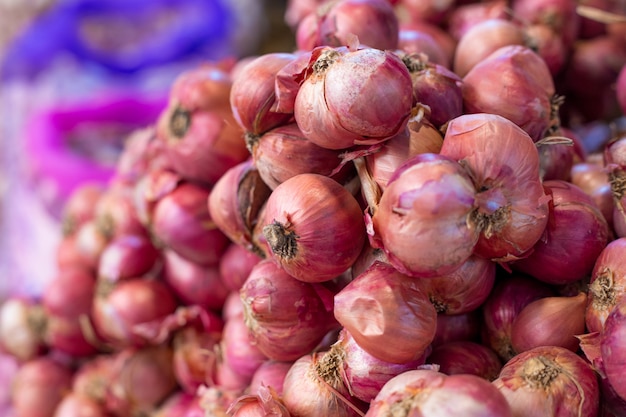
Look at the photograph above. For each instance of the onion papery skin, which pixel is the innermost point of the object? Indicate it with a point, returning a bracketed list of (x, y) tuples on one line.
[(193, 283), (265, 402), (39, 386), (359, 97), (430, 393), (284, 152), (194, 357), (559, 15), (513, 82), (364, 374), (575, 235), (429, 198), (511, 208), (374, 22), (463, 290), (313, 387), (507, 299), (466, 357), (549, 380), (482, 39), (550, 321), (235, 202), (92, 377), (607, 284), (413, 40), (116, 213), (612, 348), (126, 257), (446, 43), (252, 94), (286, 317), (116, 312), (387, 314), (181, 222), (549, 44), (314, 227)]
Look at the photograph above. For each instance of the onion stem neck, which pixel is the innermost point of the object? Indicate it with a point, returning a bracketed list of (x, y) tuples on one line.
[(282, 240), (540, 372), (180, 120)]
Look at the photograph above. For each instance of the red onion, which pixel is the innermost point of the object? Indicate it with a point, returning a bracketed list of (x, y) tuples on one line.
[(511, 207), (116, 213), (297, 218), (296, 10), (127, 256), (549, 44), (550, 321), (68, 254), (265, 402), (559, 15), (150, 188), (352, 97), (181, 221), (556, 161), (22, 326), (287, 318), (431, 393), (508, 297), (412, 40), (68, 297), (574, 237), (429, 197), (465, 16), (364, 375), (141, 379), (202, 138), (177, 404), (612, 348), (39, 386), (270, 374), (401, 320), (252, 94), (142, 153), (239, 348), (466, 357), (235, 266), (314, 387), (92, 377), (484, 38), (235, 202), (607, 284), (284, 152), (593, 179), (79, 206), (549, 380), (446, 43), (513, 82), (76, 405), (373, 22), (432, 11), (129, 303), (89, 243), (233, 306), (194, 357), (435, 87), (463, 290), (458, 327), (192, 283)]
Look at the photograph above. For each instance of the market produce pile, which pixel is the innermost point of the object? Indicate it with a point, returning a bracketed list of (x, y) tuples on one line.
[(420, 211)]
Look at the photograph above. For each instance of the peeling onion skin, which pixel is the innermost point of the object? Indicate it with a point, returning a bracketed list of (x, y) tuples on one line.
[(314, 227), (607, 285), (550, 381), (511, 209), (427, 392), (359, 97), (429, 198), (387, 314)]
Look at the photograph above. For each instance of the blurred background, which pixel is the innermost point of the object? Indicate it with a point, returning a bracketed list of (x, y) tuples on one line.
[(76, 77)]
